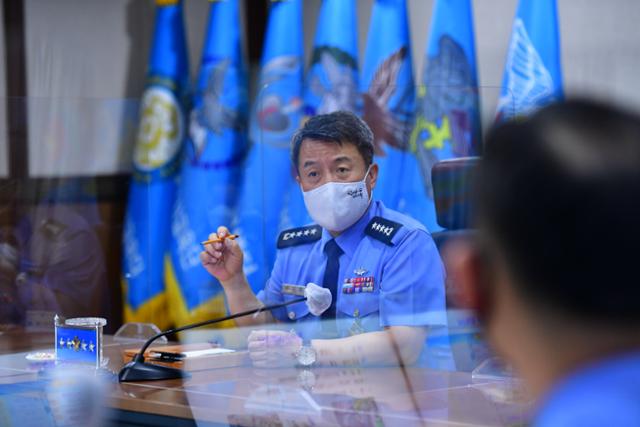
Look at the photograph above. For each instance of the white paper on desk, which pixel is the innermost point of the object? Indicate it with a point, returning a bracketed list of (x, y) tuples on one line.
[(207, 352)]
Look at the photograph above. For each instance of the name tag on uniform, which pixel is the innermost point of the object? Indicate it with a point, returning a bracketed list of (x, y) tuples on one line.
[(293, 289), (357, 285)]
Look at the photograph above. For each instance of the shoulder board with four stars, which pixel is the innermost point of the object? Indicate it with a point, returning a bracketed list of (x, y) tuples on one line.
[(299, 236), (382, 229)]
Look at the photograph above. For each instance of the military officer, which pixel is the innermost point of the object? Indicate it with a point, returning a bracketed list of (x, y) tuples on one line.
[(51, 262), (381, 267)]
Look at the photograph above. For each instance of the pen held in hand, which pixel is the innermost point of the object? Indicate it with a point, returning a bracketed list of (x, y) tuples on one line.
[(220, 239)]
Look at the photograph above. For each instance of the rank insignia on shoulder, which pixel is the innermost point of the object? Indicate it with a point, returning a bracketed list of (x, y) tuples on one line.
[(382, 229), (299, 236)]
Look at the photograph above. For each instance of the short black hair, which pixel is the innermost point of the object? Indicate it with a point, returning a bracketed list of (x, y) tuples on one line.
[(559, 196), (340, 127)]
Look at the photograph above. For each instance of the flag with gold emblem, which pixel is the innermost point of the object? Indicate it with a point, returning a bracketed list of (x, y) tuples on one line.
[(156, 158), (388, 95), (447, 112)]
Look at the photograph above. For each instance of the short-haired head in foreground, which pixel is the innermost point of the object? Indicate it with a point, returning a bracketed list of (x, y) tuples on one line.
[(552, 271), (559, 198)]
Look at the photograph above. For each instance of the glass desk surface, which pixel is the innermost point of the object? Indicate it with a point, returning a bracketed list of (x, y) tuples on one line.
[(243, 395)]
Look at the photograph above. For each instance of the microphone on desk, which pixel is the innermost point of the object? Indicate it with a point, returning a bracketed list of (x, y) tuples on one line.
[(138, 370)]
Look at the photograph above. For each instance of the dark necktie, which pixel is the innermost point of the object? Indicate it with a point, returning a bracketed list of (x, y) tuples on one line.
[(330, 279)]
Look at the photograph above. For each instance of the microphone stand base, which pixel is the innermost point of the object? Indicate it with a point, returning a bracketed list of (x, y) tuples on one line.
[(140, 371)]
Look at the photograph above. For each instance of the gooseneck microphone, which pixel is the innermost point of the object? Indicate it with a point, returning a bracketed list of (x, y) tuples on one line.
[(138, 370)]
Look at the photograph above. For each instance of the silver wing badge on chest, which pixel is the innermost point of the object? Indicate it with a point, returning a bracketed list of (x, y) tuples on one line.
[(360, 271)]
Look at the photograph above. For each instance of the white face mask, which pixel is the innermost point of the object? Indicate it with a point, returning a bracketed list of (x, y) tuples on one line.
[(337, 205)]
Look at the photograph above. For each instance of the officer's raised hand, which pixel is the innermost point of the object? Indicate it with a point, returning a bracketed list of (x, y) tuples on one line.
[(222, 259)]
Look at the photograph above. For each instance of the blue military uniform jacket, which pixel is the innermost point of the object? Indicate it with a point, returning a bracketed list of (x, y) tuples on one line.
[(390, 274), (603, 393)]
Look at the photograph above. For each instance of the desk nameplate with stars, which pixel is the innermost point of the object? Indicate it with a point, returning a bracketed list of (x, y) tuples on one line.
[(78, 344)]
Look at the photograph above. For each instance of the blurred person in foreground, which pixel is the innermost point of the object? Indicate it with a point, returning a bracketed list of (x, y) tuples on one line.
[(380, 268), (51, 261), (553, 271)]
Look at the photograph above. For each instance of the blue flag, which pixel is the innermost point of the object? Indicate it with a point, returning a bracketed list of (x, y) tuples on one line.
[(276, 115), (447, 115), (532, 72), (388, 94), (156, 160), (211, 168), (332, 78)]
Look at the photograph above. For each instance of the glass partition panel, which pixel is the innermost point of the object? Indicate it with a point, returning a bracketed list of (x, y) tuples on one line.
[(345, 241), (62, 225), (387, 340)]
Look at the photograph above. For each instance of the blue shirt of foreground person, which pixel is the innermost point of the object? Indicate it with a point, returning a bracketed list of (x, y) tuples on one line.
[(554, 273), (389, 279)]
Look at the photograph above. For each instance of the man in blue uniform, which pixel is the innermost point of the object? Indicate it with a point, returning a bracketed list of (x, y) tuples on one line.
[(52, 262), (554, 271), (381, 267)]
